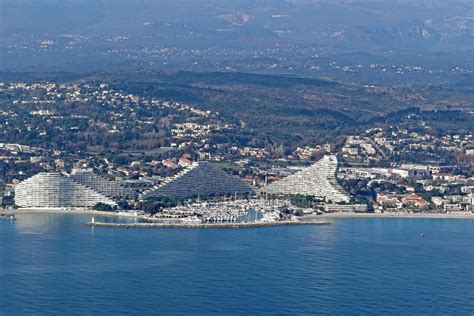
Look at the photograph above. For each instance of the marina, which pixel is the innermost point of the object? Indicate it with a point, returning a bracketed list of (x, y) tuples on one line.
[(229, 211)]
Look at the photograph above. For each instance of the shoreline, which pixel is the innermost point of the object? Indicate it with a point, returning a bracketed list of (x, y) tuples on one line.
[(305, 217), (394, 215), (69, 211)]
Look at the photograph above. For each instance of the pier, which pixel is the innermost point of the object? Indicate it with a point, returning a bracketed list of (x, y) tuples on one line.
[(204, 225)]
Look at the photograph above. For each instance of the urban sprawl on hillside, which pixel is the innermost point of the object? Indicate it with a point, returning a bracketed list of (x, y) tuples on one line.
[(88, 145)]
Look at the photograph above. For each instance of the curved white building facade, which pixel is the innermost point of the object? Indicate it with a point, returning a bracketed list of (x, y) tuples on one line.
[(317, 180), (53, 190)]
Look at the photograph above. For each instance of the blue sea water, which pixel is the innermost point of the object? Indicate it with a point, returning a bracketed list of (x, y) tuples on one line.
[(54, 264)]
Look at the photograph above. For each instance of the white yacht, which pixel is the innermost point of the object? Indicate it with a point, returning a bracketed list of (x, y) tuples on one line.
[(191, 220)]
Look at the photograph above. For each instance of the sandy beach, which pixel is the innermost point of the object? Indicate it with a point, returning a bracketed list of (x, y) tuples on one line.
[(396, 215), (68, 211)]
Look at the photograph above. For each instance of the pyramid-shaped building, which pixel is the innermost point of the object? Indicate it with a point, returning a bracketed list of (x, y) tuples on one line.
[(199, 179), (109, 188), (317, 180)]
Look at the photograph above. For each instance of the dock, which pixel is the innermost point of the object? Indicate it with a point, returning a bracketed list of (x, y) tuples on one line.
[(203, 225)]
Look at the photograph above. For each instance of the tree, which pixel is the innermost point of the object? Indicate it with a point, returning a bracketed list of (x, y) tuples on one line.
[(104, 207)]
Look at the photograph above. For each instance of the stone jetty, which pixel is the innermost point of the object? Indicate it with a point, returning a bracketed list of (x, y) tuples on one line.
[(203, 225)]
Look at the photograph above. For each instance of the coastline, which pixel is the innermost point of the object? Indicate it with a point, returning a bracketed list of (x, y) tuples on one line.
[(68, 211), (303, 218), (394, 215)]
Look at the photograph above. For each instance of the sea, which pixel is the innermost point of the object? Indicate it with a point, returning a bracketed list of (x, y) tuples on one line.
[(53, 264)]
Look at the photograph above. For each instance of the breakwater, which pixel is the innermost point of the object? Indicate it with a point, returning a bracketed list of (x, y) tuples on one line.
[(204, 225)]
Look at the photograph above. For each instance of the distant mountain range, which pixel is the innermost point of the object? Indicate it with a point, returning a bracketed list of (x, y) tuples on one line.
[(299, 37), (343, 24)]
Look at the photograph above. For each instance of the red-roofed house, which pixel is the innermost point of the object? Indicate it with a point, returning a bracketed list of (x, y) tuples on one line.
[(415, 201)]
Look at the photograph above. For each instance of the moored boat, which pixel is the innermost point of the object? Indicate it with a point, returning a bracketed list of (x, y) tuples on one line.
[(191, 219), (6, 216)]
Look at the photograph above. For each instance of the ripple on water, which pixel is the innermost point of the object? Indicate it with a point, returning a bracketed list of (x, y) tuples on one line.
[(54, 263)]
